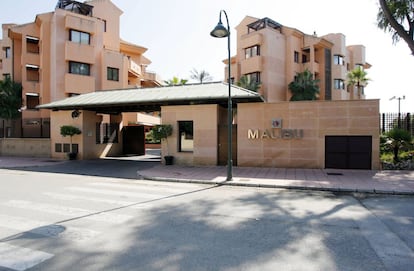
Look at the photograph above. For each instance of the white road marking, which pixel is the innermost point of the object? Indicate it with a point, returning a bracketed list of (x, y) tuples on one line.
[(117, 193), (67, 197), (46, 229), (68, 211), (145, 188), (19, 258)]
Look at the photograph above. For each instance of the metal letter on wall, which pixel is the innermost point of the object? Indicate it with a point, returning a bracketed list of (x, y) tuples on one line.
[(253, 134)]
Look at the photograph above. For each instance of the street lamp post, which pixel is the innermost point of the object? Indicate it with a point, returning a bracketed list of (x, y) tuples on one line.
[(221, 32), (399, 111)]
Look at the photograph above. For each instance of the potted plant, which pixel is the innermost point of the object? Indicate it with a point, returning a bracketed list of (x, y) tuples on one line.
[(69, 130), (161, 132)]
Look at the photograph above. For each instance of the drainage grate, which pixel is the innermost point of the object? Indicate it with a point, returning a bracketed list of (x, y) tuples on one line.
[(334, 173)]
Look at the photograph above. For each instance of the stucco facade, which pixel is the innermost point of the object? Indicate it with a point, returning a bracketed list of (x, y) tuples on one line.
[(205, 123), (73, 50), (86, 143), (272, 54)]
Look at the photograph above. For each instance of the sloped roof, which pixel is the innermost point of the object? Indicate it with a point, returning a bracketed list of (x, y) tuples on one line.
[(151, 99)]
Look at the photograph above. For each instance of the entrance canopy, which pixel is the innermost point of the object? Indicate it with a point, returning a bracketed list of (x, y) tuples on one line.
[(151, 99)]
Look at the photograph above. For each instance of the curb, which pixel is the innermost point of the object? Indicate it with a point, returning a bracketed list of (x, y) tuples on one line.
[(288, 187)]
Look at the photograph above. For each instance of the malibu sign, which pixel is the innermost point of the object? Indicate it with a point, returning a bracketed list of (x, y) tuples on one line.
[(275, 132)]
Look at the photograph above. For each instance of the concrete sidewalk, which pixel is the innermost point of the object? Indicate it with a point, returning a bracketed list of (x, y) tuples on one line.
[(14, 161), (364, 181)]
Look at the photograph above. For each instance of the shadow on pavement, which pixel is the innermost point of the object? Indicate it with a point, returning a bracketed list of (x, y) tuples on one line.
[(114, 168)]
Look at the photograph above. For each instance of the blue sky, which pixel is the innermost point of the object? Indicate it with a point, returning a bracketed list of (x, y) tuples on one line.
[(176, 34)]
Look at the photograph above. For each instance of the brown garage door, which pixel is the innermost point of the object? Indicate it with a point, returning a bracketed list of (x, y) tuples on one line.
[(348, 152)]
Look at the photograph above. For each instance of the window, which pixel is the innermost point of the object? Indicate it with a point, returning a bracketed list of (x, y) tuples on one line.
[(304, 58), (186, 139), (296, 57), (8, 52), (252, 51), (253, 77), (32, 73), (32, 45), (79, 37), (79, 68), (339, 60), (112, 74), (306, 55), (339, 84), (32, 100), (104, 25)]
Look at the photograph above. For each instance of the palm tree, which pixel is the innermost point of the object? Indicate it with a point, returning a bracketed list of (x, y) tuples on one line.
[(304, 87), (398, 138), (252, 85), (357, 77), (200, 76), (175, 81), (10, 99)]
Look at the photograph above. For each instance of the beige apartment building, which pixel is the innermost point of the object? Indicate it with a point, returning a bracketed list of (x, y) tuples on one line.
[(72, 50), (341, 130), (272, 54)]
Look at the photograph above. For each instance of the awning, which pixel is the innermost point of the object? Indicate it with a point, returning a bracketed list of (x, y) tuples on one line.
[(151, 99)]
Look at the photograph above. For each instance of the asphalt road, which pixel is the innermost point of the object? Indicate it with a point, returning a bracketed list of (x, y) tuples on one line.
[(72, 220)]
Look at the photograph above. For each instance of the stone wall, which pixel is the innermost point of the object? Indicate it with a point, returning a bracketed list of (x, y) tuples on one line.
[(299, 142), (25, 147)]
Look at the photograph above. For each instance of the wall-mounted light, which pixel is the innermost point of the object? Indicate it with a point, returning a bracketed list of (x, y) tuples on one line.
[(75, 114)]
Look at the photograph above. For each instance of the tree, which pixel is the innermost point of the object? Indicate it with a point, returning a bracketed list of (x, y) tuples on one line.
[(396, 139), (175, 81), (200, 76), (304, 87), (394, 16), (162, 131), (252, 85), (358, 77), (69, 130), (10, 99)]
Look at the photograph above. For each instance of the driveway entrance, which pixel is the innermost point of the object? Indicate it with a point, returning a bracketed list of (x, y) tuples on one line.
[(348, 152)]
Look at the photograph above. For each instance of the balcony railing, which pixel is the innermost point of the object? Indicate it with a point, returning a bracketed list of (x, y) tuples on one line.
[(135, 68), (252, 64)]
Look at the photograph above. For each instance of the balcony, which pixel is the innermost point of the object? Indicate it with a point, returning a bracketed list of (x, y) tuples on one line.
[(312, 66), (152, 79), (251, 39), (31, 86), (79, 52), (33, 59), (252, 64), (134, 68), (79, 84), (80, 24)]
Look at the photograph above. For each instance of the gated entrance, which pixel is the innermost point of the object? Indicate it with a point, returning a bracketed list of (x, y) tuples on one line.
[(348, 152), (133, 140)]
